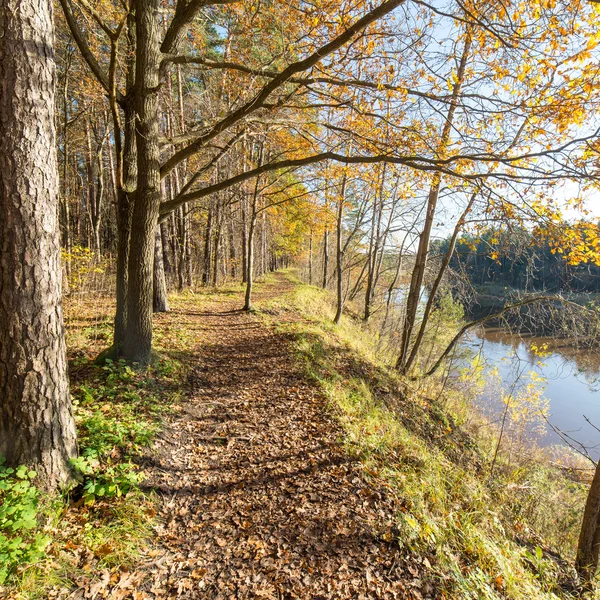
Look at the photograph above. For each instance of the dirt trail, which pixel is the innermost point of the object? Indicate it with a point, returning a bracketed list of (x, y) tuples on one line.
[(257, 497)]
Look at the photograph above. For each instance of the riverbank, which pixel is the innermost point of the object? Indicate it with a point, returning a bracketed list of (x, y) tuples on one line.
[(490, 526)]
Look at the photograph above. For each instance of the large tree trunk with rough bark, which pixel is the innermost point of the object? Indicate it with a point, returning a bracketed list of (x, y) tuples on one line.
[(36, 422), (137, 345), (127, 165)]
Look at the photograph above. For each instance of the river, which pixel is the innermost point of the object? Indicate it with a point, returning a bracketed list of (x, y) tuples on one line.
[(571, 378)]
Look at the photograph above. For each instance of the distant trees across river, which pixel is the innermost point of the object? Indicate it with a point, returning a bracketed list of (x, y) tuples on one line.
[(517, 259)]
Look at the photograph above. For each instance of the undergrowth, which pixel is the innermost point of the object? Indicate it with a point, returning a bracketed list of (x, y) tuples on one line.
[(105, 520), (488, 534)]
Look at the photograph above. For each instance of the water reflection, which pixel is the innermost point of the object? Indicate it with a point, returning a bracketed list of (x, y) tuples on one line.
[(572, 381)]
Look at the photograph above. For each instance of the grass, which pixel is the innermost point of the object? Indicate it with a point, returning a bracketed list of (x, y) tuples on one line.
[(510, 534)]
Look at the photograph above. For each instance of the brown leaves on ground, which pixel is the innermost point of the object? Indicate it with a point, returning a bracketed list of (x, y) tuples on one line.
[(257, 497)]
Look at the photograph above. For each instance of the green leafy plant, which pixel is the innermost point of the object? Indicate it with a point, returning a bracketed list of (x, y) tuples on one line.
[(19, 508), (105, 482)]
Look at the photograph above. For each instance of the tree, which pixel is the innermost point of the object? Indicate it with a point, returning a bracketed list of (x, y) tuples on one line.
[(329, 76), (139, 155), (36, 422), (589, 538)]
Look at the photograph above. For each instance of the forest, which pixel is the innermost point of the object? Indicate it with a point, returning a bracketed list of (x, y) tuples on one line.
[(516, 259), (250, 256)]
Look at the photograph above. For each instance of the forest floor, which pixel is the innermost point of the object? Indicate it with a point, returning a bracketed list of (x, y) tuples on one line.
[(256, 496), (283, 457)]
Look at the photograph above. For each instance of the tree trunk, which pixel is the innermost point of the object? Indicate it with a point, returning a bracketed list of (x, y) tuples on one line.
[(250, 242), (436, 285), (127, 171), (160, 301), (95, 184), (64, 203), (374, 246), (325, 257), (164, 235), (124, 222), (183, 241), (215, 265), (589, 537), (207, 246), (232, 254), (36, 421), (421, 258), (250, 262), (339, 254), (137, 346), (244, 242), (310, 258)]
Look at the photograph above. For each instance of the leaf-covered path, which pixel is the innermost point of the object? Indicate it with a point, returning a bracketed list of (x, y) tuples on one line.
[(257, 496)]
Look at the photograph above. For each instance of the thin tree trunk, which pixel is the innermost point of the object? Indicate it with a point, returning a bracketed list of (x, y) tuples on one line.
[(250, 262), (250, 242), (183, 242), (36, 421), (244, 241), (374, 244), (325, 257), (215, 265), (436, 285), (310, 258), (418, 274), (232, 252), (339, 254), (64, 203), (164, 234), (90, 172), (208, 246), (160, 301)]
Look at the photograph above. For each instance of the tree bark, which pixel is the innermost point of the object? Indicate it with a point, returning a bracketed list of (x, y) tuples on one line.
[(244, 240), (208, 246), (421, 258), (589, 537), (310, 258), (36, 421), (164, 234), (232, 253), (436, 285), (137, 345), (126, 182), (64, 202), (160, 301), (340, 254), (250, 241), (250, 262), (325, 257)]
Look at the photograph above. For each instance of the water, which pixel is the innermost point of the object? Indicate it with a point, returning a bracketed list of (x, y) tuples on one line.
[(571, 379)]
